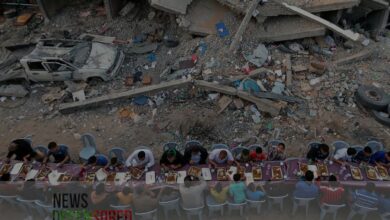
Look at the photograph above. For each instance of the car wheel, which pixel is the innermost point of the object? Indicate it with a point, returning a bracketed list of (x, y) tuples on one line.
[(382, 117), (373, 98)]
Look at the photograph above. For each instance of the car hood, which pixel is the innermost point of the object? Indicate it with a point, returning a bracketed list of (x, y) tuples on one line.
[(102, 56)]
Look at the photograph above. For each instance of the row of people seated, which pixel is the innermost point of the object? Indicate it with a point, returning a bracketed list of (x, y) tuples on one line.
[(197, 155), (350, 154)]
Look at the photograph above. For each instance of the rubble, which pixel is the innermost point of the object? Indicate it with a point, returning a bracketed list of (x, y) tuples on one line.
[(13, 91)]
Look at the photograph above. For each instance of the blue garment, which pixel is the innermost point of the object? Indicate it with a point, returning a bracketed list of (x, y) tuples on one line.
[(360, 157), (384, 205), (305, 190), (366, 199), (237, 191), (101, 160), (379, 157), (255, 196), (59, 155)]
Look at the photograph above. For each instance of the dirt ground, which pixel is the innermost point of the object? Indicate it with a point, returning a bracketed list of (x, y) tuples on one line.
[(187, 114)]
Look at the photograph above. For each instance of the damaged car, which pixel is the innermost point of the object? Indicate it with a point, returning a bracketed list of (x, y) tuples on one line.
[(62, 60)]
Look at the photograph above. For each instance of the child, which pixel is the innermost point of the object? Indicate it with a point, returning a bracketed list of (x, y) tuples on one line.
[(258, 155), (237, 189), (97, 160), (255, 194), (219, 193), (243, 157)]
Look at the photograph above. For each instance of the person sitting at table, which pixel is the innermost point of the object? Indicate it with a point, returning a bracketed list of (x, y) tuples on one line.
[(195, 155), (363, 156), (237, 190), (221, 156), (258, 155), (7, 187), (254, 193), (219, 194), (125, 197), (169, 194), (38, 156), (192, 192), (114, 164), (30, 191), (381, 158), (366, 196), (171, 159), (344, 155), (60, 154), (146, 200), (277, 153), (100, 199), (333, 193), (21, 149), (243, 157), (384, 204), (318, 152), (306, 188), (97, 160), (275, 189), (141, 159)]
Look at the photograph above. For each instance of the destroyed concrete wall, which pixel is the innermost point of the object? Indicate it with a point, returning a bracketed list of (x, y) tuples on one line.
[(113, 7), (49, 7)]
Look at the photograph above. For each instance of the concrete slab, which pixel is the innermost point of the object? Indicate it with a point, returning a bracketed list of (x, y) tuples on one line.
[(204, 14), (171, 6)]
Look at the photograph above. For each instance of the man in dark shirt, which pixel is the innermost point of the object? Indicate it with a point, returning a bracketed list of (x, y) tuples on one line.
[(318, 152), (172, 159), (21, 149), (195, 155), (363, 155), (60, 153)]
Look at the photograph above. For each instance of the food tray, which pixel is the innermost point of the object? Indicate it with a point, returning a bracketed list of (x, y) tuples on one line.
[(277, 173), (257, 174)]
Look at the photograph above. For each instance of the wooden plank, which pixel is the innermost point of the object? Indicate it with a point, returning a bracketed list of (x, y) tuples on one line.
[(216, 87), (69, 107), (223, 103), (345, 33), (262, 104), (237, 37), (288, 70), (277, 97), (355, 57)]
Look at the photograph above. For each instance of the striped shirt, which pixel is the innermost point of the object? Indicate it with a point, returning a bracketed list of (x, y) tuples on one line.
[(366, 199), (331, 196)]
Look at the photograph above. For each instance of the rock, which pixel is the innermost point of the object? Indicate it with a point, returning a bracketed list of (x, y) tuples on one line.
[(256, 119), (77, 136), (348, 44), (305, 87), (299, 68), (213, 96), (151, 15), (278, 88), (13, 90), (238, 103), (315, 81)]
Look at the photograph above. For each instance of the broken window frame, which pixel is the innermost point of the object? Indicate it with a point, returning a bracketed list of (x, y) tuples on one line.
[(49, 69), (41, 63)]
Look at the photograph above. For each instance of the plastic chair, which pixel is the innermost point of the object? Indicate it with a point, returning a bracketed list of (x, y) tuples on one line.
[(358, 148), (43, 209), (330, 209), (219, 146), (302, 202), (11, 200), (146, 215), (312, 144), (274, 200), (42, 149), (212, 206), (235, 206), (123, 207), (170, 145), (360, 210), (255, 204), (194, 212), (191, 143), (170, 206), (375, 146), (337, 145), (254, 146), (117, 152), (237, 150), (385, 216), (89, 147)]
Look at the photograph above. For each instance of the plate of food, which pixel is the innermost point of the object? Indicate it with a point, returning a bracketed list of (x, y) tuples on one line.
[(171, 178), (256, 172), (383, 173), (303, 168), (221, 174), (90, 178), (195, 171), (43, 173), (5, 169), (277, 173), (24, 171), (111, 177), (241, 171), (371, 173), (356, 173), (65, 178), (322, 169), (136, 173)]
